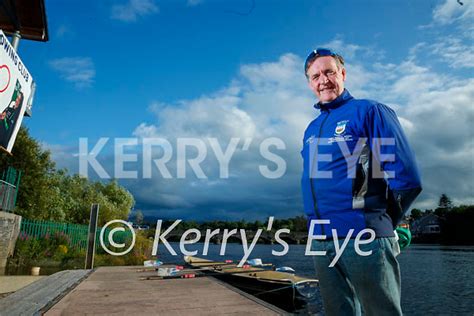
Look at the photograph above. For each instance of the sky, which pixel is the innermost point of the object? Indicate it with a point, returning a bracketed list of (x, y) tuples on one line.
[(234, 69)]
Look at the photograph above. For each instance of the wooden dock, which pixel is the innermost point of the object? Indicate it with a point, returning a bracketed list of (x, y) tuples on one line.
[(37, 297), (124, 290)]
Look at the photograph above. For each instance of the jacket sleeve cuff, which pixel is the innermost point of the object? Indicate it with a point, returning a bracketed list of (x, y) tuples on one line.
[(399, 202)]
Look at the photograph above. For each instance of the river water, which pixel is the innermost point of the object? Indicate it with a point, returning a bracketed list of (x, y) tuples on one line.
[(436, 280)]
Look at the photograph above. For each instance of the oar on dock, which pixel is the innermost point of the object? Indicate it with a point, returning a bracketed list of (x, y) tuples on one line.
[(196, 275)]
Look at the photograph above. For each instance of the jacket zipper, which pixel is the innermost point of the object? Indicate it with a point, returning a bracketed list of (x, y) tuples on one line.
[(316, 211)]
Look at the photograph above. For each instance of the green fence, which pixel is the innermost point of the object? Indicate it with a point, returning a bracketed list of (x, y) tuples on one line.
[(76, 233), (9, 182)]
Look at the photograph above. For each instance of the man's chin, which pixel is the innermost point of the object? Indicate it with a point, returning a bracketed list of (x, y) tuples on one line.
[(327, 98)]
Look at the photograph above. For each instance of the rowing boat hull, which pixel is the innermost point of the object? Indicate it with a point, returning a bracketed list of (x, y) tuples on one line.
[(277, 288), (279, 294)]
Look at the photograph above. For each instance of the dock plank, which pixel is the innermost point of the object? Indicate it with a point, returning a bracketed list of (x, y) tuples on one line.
[(34, 298), (122, 291)]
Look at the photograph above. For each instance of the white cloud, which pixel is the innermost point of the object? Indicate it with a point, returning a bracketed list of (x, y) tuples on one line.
[(63, 31), (272, 99), (345, 49), (281, 74), (133, 9), (452, 36), (193, 3), (146, 131), (62, 155), (78, 70), (197, 118), (456, 52), (264, 100), (435, 110), (452, 11)]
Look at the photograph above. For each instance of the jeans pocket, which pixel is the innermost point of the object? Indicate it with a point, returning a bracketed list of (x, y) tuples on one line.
[(372, 247), (391, 245)]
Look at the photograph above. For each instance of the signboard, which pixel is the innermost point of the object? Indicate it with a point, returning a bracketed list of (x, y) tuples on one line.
[(16, 94)]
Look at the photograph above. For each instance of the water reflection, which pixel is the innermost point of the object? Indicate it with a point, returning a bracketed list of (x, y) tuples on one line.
[(435, 279)]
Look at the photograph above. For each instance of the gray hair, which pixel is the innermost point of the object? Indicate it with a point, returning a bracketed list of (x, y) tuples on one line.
[(338, 58)]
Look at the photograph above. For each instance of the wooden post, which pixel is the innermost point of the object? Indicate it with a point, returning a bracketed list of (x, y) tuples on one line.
[(91, 236)]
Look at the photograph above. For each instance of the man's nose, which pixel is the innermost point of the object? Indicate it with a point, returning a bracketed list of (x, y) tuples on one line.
[(323, 78)]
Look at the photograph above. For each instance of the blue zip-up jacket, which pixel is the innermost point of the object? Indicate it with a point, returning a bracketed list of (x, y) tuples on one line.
[(363, 172)]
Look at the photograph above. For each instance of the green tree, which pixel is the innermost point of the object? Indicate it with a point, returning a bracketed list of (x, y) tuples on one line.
[(38, 196), (138, 217), (416, 214), (300, 224), (50, 194), (444, 205), (457, 228), (445, 202), (256, 225), (118, 199)]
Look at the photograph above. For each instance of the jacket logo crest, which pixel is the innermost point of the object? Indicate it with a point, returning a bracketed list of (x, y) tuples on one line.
[(341, 127)]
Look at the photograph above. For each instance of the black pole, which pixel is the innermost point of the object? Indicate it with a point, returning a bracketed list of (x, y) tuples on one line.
[(91, 237)]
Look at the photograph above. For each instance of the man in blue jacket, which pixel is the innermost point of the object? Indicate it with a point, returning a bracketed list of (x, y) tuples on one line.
[(359, 175)]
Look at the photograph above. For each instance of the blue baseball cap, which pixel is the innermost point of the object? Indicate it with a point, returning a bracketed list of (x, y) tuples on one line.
[(319, 52)]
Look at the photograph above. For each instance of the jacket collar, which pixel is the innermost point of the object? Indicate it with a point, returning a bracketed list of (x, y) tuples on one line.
[(341, 99)]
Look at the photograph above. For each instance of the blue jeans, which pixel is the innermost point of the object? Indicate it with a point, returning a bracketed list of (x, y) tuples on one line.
[(356, 283)]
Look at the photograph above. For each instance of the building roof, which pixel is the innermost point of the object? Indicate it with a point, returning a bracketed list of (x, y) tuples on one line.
[(26, 16), (428, 219)]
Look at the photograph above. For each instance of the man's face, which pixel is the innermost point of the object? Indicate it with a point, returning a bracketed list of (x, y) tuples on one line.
[(325, 79), (17, 101)]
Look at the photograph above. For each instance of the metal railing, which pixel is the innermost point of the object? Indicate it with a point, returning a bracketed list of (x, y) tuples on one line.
[(76, 234), (7, 196), (9, 189)]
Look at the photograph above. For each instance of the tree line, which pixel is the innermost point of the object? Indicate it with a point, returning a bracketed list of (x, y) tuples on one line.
[(456, 222), (48, 193), (295, 224)]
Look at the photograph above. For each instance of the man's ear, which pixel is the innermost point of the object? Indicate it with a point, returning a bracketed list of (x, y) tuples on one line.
[(344, 74)]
